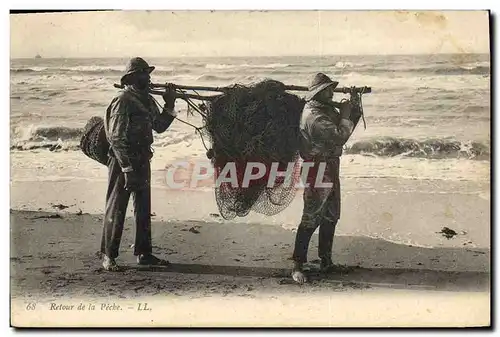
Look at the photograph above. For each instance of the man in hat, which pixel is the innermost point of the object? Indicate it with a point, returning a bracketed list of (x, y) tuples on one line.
[(129, 123), (325, 127)]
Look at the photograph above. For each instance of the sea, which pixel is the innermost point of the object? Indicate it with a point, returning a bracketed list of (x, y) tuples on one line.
[(427, 116)]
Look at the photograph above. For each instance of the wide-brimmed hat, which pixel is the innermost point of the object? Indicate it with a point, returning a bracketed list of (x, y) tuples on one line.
[(134, 65), (319, 83)]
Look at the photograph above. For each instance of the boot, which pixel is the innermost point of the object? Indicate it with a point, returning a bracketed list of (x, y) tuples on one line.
[(325, 247)]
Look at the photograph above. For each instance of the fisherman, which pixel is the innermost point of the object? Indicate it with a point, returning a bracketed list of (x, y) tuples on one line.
[(129, 123), (325, 127)]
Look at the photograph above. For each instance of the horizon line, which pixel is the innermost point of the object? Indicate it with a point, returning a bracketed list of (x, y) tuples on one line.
[(243, 56)]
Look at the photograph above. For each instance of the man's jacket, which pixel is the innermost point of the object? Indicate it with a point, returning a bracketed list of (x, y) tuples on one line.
[(324, 132), (130, 120)]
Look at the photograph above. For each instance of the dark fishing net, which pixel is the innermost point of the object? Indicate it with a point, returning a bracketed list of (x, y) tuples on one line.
[(93, 142), (258, 123)]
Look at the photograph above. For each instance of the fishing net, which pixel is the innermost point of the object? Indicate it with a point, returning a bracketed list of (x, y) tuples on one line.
[(93, 142), (257, 123), (254, 124)]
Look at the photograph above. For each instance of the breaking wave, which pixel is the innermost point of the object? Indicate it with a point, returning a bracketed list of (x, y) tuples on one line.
[(245, 65), (67, 137), (34, 133), (428, 148), (477, 68)]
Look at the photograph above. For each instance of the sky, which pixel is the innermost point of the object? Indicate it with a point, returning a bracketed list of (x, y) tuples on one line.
[(247, 33)]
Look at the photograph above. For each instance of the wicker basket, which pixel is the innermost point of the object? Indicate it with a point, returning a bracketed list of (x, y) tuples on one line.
[(94, 143)]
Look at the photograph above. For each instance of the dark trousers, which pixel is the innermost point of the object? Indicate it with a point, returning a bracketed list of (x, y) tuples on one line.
[(321, 209), (117, 199)]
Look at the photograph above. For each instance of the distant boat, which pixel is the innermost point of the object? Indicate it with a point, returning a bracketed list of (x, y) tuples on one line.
[(38, 56)]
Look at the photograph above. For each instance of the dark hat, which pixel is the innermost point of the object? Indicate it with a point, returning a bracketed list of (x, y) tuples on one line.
[(319, 82), (136, 64)]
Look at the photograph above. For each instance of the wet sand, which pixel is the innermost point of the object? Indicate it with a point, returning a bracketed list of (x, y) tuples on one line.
[(217, 266)]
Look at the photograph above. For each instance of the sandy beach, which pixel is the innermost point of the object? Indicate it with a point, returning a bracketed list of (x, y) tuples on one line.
[(240, 266), (236, 273)]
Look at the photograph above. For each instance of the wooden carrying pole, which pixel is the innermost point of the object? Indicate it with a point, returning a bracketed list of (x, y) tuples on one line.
[(183, 95), (345, 90)]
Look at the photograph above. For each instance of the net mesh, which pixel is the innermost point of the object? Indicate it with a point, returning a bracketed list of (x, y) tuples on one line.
[(254, 124)]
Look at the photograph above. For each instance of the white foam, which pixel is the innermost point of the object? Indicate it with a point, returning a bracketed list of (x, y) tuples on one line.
[(245, 65)]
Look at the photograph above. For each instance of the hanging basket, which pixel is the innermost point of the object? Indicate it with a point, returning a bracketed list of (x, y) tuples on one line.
[(93, 142)]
